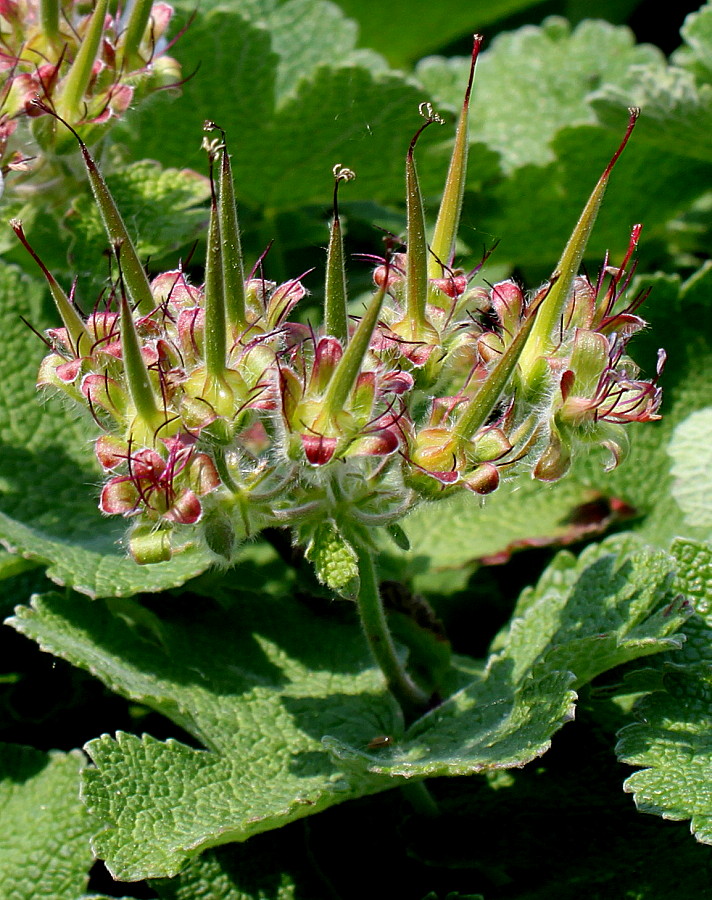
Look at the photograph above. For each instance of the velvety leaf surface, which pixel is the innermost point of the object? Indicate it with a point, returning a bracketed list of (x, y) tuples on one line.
[(694, 580), (552, 150), (585, 616), (48, 508), (293, 109), (676, 100), (533, 82), (696, 52), (44, 829), (258, 685), (691, 452), (677, 111), (672, 737), (674, 742), (459, 533)]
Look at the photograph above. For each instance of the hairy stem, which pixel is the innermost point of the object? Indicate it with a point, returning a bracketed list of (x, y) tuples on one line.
[(413, 700)]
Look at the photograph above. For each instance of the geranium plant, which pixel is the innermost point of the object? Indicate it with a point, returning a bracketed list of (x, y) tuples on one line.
[(281, 507)]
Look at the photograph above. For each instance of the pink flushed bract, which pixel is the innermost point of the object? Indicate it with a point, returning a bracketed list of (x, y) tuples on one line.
[(220, 414)]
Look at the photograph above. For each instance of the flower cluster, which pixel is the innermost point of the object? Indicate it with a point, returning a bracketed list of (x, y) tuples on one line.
[(220, 415), (87, 67)]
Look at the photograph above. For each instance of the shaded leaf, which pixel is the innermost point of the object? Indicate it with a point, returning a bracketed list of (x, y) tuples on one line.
[(298, 90), (44, 829), (612, 605), (672, 737), (448, 539), (673, 740), (258, 685), (533, 82), (691, 452), (393, 30)]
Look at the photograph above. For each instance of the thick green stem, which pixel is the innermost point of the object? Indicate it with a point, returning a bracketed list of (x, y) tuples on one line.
[(420, 798), (413, 700)]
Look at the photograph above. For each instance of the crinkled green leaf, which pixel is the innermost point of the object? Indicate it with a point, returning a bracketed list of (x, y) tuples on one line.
[(549, 143), (612, 605), (534, 210), (44, 828), (257, 685), (269, 867), (696, 53), (694, 581), (673, 740), (533, 82), (291, 108), (307, 34), (677, 111), (447, 539), (691, 452), (48, 510), (672, 737)]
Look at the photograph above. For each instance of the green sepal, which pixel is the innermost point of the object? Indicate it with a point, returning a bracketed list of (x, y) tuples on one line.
[(335, 560), (589, 358), (219, 533), (398, 535)]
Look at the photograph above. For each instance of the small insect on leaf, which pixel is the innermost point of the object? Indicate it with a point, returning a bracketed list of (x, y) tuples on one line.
[(382, 740)]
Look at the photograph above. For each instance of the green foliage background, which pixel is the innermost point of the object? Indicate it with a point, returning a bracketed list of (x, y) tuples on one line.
[(184, 709)]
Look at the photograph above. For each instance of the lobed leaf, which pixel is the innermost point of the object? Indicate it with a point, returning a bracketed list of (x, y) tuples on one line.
[(258, 685), (672, 737), (614, 604), (673, 740), (306, 98), (534, 81)]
